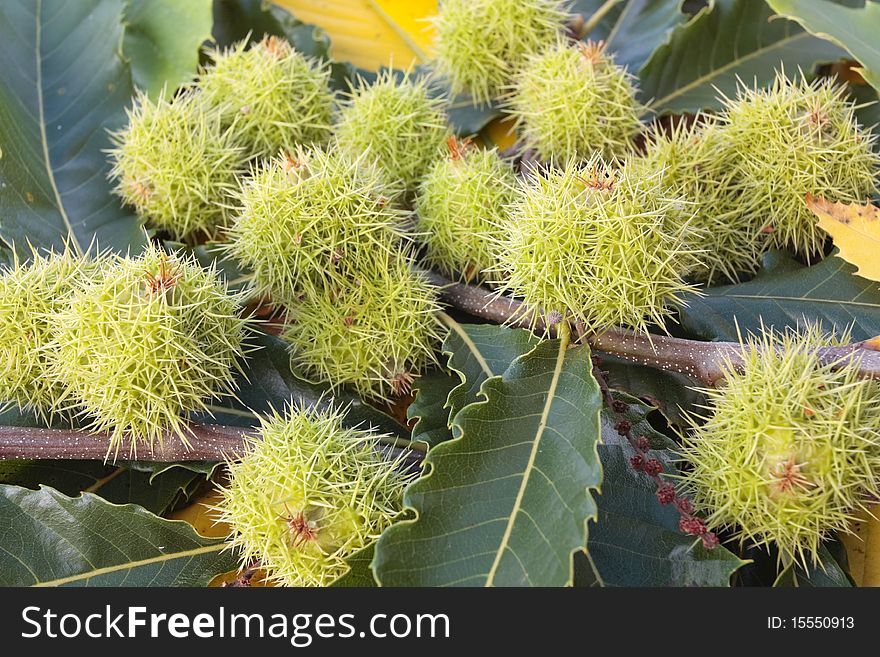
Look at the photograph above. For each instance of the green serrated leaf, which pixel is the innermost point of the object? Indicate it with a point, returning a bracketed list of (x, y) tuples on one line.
[(786, 293), (54, 540), (726, 40), (270, 383), (635, 540), (468, 119), (157, 493), (827, 573), (478, 352), (475, 352), (158, 468), (162, 41), (508, 502), (852, 28), (633, 29), (429, 408), (63, 85), (156, 490), (235, 20), (867, 101), (67, 477), (669, 392), (361, 574), (309, 39)]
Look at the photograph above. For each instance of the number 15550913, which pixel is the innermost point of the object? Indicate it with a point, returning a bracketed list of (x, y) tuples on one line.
[(811, 623)]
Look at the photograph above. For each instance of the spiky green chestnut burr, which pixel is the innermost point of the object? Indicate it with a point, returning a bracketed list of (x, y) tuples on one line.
[(272, 96), (308, 494), (176, 166), (462, 201), (397, 122), (791, 447), (375, 333), (480, 44), (310, 220), (152, 339), (600, 245), (793, 139), (30, 293), (570, 101), (696, 164)]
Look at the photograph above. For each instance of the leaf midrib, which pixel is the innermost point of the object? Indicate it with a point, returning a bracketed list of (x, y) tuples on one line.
[(773, 297), (132, 565), (403, 34), (726, 67), (517, 504), (44, 140), (469, 343), (618, 23), (852, 14)]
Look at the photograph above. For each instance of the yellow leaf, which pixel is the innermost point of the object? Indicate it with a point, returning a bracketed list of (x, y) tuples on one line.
[(863, 549), (375, 33), (199, 515), (855, 230), (412, 19), (501, 132), (371, 33)]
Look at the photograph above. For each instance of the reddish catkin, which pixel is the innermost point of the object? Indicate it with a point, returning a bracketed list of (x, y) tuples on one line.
[(641, 462)]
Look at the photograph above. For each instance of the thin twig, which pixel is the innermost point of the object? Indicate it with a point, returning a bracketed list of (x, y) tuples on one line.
[(207, 442), (704, 361)]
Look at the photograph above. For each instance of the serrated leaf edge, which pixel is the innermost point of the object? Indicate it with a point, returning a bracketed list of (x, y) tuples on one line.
[(217, 545), (449, 444)]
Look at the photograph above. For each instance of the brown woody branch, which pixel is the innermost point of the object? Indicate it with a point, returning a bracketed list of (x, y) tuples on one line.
[(207, 442), (701, 360)]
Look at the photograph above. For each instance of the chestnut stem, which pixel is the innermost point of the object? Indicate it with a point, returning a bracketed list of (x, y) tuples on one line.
[(207, 442), (702, 361)]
